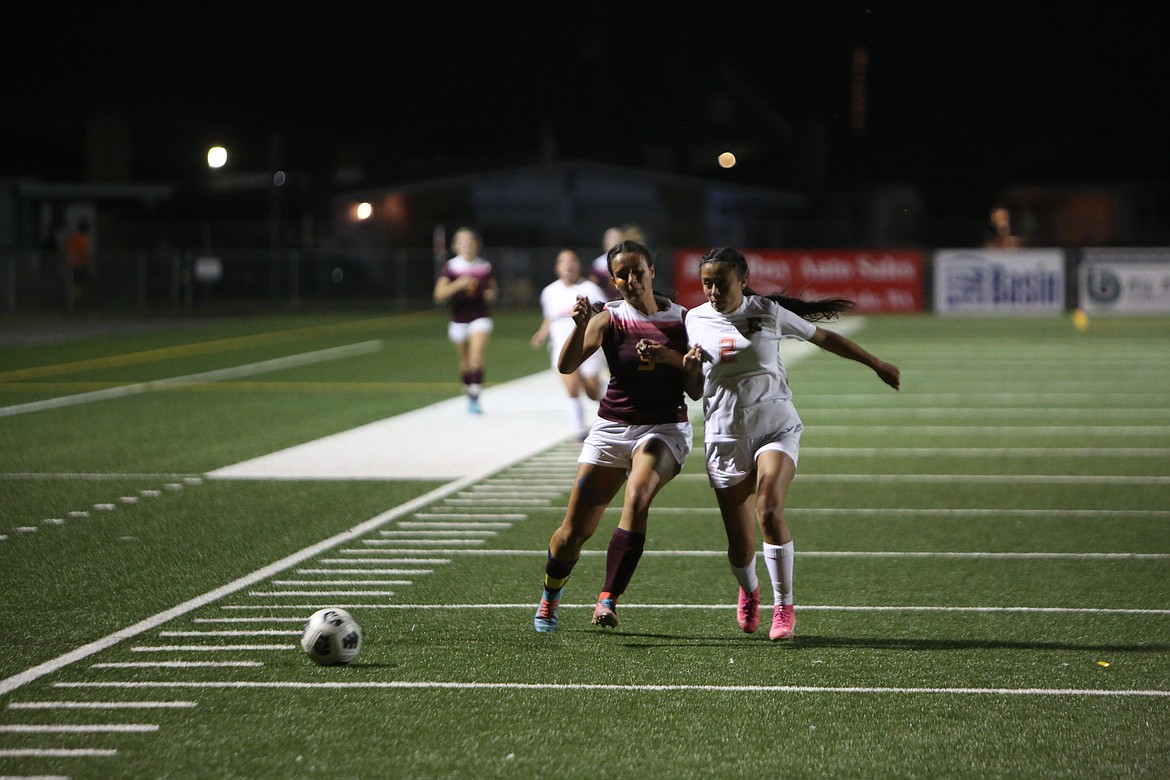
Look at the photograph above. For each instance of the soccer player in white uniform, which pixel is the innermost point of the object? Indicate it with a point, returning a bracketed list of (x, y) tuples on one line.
[(556, 303), (751, 430)]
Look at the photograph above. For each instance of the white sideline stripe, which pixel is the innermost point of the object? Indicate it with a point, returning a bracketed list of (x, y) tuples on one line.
[(57, 753), (992, 452), (530, 410), (250, 369), (463, 686), (100, 705), (208, 648), (95, 728), (1020, 479), (13, 682), (178, 664)]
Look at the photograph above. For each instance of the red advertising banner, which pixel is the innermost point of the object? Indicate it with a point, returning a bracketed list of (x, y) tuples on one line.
[(877, 281)]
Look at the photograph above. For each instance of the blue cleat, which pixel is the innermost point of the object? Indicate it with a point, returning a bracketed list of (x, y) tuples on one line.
[(546, 614), (473, 406)]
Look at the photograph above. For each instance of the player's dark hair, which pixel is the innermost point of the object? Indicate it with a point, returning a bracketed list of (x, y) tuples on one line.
[(814, 310)]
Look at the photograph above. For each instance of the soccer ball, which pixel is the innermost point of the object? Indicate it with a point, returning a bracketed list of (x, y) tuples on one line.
[(332, 637)]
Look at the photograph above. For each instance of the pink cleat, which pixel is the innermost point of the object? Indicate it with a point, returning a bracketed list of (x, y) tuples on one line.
[(605, 613), (783, 622), (748, 611)]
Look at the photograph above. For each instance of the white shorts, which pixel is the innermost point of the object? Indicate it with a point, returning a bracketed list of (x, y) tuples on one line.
[(458, 332), (613, 444), (729, 462)]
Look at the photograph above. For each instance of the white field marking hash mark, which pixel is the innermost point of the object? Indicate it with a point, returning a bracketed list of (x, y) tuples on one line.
[(96, 728), (100, 705), (177, 665), (208, 648), (15, 681)]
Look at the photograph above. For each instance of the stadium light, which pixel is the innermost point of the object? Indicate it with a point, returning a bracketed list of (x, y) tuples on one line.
[(727, 160), (216, 157)]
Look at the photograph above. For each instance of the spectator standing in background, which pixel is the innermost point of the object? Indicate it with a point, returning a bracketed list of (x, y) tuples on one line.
[(78, 263)]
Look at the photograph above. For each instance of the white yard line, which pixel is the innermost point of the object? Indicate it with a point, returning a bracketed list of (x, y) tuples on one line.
[(250, 369), (512, 686)]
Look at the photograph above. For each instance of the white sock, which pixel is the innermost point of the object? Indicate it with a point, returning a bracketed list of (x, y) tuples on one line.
[(746, 575), (473, 390), (778, 557), (575, 411)]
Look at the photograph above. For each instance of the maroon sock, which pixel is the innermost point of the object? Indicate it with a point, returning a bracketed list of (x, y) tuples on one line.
[(621, 558), (557, 570)]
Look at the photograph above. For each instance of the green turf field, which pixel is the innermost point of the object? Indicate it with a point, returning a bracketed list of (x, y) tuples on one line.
[(982, 570)]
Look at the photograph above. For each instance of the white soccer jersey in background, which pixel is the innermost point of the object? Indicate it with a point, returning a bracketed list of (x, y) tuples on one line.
[(556, 304), (745, 385)]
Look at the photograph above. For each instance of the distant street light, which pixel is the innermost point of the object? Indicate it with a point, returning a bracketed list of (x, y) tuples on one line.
[(216, 157), (726, 160)]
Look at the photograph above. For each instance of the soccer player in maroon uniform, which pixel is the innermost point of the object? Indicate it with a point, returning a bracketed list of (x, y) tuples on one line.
[(468, 283), (642, 432)]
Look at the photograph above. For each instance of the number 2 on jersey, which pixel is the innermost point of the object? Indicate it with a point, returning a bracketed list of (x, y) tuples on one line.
[(727, 350)]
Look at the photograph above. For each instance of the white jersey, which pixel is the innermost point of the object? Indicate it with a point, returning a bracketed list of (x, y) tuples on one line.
[(745, 386), (556, 304)]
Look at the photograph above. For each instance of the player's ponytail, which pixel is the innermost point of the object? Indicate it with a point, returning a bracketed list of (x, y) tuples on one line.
[(815, 310)]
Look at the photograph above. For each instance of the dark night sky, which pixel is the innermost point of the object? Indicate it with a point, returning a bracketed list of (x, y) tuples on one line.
[(963, 99)]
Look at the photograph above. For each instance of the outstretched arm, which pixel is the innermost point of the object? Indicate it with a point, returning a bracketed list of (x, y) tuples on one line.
[(839, 345)]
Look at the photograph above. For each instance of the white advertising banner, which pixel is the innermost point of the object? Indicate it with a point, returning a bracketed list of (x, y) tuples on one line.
[(1125, 281), (999, 281)]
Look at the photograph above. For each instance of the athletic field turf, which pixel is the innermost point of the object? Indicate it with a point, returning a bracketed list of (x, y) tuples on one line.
[(982, 570)]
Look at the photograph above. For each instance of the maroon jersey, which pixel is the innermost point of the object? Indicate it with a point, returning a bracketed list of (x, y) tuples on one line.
[(643, 392), (469, 304)]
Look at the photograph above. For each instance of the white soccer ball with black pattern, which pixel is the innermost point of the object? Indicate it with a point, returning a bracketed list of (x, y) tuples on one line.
[(332, 637)]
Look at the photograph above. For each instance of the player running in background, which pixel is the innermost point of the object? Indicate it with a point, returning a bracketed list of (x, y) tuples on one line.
[(599, 268), (751, 430), (642, 431), (468, 283), (556, 303)]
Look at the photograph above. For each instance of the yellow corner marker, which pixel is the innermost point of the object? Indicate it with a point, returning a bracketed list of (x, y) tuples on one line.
[(1080, 320)]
